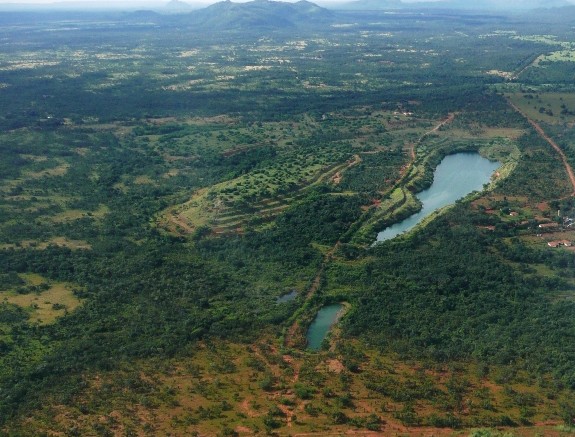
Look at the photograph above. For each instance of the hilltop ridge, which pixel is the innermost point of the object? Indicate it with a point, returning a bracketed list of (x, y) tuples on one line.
[(228, 15)]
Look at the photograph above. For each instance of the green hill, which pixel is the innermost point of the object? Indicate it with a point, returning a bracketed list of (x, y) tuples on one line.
[(228, 15)]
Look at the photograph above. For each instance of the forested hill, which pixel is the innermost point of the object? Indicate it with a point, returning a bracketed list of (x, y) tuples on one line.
[(260, 14)]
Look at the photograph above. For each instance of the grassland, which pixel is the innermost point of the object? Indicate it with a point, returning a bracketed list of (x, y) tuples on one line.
[(43, 301), (548, 107), (259, 390)]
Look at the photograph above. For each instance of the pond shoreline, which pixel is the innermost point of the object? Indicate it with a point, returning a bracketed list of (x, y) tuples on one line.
[(456, 176), (324, 323)]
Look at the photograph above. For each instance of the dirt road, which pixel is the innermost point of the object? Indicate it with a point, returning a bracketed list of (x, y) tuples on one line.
[(552, 143), (449, 119), (412, 146)]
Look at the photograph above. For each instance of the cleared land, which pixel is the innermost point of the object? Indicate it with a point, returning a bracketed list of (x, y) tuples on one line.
[(42, 300)]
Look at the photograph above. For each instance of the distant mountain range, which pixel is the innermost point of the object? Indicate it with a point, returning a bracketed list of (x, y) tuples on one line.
[(371, 5), (277, 8), (518, 5), (268, 14), (179, 6), (227, 15)]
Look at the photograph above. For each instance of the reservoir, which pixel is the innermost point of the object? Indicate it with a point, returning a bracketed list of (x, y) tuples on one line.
[(325, 319), (455, 177)]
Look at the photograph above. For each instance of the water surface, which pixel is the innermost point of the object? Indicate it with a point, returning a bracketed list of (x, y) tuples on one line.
[(455, 177), (287, 297), (325, 319)]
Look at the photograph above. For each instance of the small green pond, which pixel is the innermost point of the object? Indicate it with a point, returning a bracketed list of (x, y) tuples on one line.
[(325, 319)]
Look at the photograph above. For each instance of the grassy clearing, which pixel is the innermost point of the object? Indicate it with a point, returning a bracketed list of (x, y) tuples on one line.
[(44, 301), (545, 39), (551, 108), (558, 56), (143, 180), (501, 149), (76, 214), (66, 242), (60, 170), (478, 132)]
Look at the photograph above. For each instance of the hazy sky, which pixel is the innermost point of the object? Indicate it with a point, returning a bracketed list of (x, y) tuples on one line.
[(157, 4), (162, 2)]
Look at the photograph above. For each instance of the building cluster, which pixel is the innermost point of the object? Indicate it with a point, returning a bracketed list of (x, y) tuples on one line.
[(560, 243)]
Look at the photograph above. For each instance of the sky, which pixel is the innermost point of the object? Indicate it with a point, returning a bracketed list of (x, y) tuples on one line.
[(162, 2), (158, 4)]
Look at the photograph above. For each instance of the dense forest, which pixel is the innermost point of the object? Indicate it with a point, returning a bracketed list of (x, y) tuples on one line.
[(178, 204)]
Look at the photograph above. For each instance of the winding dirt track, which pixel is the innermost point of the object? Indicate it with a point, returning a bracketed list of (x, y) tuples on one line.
[(449, 119), (552, 143), (412, 146)]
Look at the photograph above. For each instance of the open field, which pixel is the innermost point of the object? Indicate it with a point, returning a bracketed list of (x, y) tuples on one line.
[(550, 108), (43, 301)]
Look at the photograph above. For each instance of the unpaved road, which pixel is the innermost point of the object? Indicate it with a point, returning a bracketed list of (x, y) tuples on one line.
[(553, 144)]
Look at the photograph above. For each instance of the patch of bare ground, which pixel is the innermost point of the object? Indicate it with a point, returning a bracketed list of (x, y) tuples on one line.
[(295, 336), (388, 430), (288, 413), (295, 365), (82, 151), (543, 206), (336, 179), (246, 408), (335, 366), (244, 430), (178, 224)]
